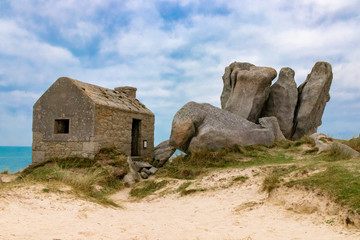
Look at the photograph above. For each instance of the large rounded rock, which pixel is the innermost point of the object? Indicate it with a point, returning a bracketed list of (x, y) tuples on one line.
[(313, 96), (282, 101), (246, 89), (203, 126)]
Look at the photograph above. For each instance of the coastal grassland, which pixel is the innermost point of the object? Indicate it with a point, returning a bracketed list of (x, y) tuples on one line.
[(202, 161), (94, 179), (287, 164)]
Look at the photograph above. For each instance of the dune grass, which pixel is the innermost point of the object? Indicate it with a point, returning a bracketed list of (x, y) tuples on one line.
[(92, 179), (147, 188), (201, 161), (341, 182), (354, 143), (89, 178), (340, 179)]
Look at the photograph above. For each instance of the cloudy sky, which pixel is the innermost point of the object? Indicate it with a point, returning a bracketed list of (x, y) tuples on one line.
[(173, 51)]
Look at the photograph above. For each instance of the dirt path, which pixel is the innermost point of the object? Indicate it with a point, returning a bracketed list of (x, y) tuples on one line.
[(241, 211)]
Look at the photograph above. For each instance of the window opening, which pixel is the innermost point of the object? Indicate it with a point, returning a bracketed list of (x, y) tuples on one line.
[(62, 126)]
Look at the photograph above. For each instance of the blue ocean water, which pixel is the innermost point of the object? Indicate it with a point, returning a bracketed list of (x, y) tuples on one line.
[(14, 158)]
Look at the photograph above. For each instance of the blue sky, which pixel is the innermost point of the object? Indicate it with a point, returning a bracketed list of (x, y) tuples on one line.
[(173, 52)]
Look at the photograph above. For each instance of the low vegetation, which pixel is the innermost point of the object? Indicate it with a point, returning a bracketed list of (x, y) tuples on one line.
[(147, 188), (286, 163), (354, 143), (94, 178), (202, 161), (340, 177)]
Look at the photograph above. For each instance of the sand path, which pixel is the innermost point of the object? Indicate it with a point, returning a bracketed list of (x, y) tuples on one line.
[(241, 211)]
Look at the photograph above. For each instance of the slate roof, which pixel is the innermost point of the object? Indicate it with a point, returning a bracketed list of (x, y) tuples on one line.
[(111, 98)]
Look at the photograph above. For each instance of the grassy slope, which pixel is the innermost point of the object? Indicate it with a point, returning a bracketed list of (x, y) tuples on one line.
[(92, 179), (340, 177)]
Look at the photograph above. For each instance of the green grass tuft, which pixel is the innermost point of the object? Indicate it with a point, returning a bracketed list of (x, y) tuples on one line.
[(89, 178), (340, 182), (191, 191), (354, 143), (147, 188), (202, 161)]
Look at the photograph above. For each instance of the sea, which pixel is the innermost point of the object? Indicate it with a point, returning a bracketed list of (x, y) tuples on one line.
[(14, 158)]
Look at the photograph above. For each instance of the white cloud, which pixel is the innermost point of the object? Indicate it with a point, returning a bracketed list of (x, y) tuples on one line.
[(18, 98), (173, 62), (18, 42)]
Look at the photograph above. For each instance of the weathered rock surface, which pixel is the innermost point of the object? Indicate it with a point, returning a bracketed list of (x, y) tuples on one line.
[(313, 96), (162, 153), (203, 126), (324, 143), (246, 89), (132, 176), (282, 101), (144, 169), (272, 123), (228, 82)]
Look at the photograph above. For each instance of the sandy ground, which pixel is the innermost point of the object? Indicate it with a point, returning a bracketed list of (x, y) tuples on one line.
[(241, 211)]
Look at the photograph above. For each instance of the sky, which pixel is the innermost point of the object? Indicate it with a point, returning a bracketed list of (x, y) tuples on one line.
[(173, 51)]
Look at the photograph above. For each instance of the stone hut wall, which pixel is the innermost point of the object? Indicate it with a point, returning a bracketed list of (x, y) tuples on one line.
[(44, 149), (113, 129), (78, 119)]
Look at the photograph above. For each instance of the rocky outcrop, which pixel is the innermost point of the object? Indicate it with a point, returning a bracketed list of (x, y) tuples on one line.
[(162, 153), (247, 93), (282, 101), (203, 126), (313, 96), (325, 143), (246, 89)]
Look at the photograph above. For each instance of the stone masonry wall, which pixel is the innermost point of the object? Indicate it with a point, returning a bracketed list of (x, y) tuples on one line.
[(113, 129), (44, 150)]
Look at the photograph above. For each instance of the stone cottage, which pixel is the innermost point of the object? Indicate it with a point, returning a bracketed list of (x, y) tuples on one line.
[(74, 118)]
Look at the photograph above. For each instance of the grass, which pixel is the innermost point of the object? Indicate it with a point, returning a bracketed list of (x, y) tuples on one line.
[(89, 178), (337, 153), (6, 171), (340, 182), (93, 179), (340, 179), (193, 190), (273, 179), (354, 143), (147, 188), (202, 161)]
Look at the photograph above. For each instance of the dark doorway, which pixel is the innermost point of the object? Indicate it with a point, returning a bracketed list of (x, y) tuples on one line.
[(135, 137)]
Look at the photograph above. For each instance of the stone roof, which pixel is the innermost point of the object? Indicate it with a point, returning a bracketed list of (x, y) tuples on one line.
[(111, 98)]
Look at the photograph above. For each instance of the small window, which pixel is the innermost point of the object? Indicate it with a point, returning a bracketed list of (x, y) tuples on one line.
[(62, 126)]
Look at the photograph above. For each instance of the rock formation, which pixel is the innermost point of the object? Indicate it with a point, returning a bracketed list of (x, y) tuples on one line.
[(247, 93), (282, 101), (313, 96), (203, 126), (246, 89), (162, 153), (282, 110)]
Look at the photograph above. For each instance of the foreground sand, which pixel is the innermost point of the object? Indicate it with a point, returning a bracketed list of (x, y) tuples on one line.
[(241, 211)]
